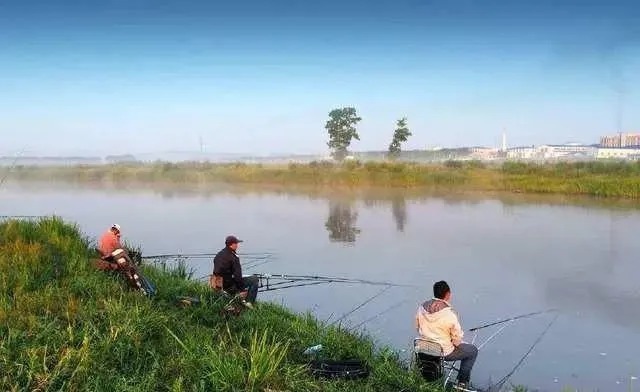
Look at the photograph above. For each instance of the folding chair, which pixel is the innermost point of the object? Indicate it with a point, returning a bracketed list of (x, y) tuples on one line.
[(429, 357)]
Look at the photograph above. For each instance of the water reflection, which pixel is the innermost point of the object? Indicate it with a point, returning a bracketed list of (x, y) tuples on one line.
[(399, 211), (341, 222)]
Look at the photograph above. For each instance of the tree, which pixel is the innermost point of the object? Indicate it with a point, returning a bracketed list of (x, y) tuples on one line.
[(341, 222), (341, 127), (400, 135)]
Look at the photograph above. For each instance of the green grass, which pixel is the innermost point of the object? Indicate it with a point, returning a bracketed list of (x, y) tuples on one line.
[(66, 326), (599, 179)]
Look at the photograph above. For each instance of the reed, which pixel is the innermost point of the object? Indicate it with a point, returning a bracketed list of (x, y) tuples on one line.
[(599, 179), (66, 326)]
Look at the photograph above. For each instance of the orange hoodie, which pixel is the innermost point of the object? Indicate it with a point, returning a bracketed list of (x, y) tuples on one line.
[(436, 321), (108, 243)]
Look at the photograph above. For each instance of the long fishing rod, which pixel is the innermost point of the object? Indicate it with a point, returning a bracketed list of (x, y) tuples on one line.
[(204, 255), (330, 279), (512, 319), (361, 305), (506, 378), (11, 167), (263, 289), (390, 308)]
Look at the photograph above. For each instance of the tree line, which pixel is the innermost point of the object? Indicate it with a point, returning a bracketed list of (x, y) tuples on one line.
[(341, 128)]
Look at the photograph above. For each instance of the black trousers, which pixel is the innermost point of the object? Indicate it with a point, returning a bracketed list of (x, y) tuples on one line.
[(252, 284)]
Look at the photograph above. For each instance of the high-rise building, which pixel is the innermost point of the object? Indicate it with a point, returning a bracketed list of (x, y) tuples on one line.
[(620, 140)]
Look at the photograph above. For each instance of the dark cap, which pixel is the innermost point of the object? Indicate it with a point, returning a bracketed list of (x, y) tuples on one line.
[(231, 240)]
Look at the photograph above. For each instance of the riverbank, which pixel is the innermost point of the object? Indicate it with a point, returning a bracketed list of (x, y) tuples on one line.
[(598, 179), (68, 326)]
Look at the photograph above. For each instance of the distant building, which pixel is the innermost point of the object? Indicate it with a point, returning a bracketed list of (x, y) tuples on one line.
[(483, 153), (522, 153), (618, 153), (125, 158), (620, 140), (572, 150)]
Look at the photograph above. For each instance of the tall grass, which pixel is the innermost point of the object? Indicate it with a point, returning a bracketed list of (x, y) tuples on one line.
[(66, 326), (597, 178)]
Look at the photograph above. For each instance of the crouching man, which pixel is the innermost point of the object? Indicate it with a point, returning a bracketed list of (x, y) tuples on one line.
[(111, 250)]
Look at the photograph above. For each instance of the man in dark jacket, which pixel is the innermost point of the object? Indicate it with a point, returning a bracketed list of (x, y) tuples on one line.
[(226, 265)]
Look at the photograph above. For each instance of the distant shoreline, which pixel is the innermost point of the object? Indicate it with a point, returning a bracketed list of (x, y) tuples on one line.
[(597, 179)]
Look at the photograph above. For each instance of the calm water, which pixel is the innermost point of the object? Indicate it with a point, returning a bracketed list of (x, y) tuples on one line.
[(501, 257)]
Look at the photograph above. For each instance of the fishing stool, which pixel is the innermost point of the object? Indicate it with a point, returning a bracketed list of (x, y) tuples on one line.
[(429, 357)]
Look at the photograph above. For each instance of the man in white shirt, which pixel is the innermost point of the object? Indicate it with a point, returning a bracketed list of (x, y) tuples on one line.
[(436, 321)]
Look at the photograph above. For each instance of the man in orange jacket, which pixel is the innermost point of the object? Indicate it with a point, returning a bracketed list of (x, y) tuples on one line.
[(110, 241)]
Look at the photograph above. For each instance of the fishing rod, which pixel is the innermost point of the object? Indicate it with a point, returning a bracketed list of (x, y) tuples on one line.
[(11, 167), (506, 378), (271, 288), (361, 305), (390, 308), (329, 279), (512, 319), (204, 255)]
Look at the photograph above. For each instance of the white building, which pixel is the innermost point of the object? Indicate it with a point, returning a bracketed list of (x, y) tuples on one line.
[(618, 153), (483, 153), (522, 153), (572, 150)]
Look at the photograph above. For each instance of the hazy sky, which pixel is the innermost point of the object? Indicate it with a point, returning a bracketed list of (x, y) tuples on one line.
[(261, 75)]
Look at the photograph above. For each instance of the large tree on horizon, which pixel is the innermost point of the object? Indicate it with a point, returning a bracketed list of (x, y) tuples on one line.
[(400, 135), (341, 127)]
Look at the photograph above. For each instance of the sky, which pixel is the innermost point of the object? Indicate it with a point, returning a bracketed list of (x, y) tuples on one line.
[(259, 77)]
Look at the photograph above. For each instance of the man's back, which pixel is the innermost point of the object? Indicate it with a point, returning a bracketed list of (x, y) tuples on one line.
[(108, 243), (227, 265), (436, 321)]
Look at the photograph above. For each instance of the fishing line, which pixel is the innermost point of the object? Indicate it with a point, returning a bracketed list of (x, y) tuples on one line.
[(390, 308), (494, 334), (361, 305), (500, 383)]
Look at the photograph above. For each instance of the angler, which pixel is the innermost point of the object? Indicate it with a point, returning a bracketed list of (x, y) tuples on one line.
[(114, 257), (227, 274), (438, 325)]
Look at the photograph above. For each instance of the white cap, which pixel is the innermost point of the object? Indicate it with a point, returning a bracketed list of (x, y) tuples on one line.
[(116, 226)]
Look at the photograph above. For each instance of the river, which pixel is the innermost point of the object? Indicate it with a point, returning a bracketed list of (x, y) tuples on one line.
[(502, 256)]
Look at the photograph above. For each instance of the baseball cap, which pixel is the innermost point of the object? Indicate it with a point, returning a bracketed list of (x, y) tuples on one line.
[(232, 240), (116, 226)]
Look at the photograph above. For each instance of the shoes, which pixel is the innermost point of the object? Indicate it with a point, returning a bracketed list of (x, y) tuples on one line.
[(464, 387), (248, 305)]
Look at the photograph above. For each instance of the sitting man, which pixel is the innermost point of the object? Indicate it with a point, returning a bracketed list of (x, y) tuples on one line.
[(116, 257), (111, 249), (437, 322), (226, 265)]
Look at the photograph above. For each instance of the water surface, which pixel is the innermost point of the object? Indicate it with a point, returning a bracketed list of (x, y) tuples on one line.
[(501, 256)]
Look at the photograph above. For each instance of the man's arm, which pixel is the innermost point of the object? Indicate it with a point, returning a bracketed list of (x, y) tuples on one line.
[(456, 331), (237, 273)]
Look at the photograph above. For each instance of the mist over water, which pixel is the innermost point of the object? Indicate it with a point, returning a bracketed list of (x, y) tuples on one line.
[(502, 256)]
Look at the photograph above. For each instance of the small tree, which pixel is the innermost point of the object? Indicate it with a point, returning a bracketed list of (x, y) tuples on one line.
[(341, 127), (400, 135)]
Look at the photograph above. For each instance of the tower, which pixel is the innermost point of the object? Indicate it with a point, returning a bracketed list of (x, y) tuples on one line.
[(201, 144), (504, 141)]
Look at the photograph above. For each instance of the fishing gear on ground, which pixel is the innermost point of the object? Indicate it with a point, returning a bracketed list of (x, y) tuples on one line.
[(348, 369)]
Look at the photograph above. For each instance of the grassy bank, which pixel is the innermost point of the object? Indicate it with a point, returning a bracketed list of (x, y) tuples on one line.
[(600, 179), (66, 326)]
